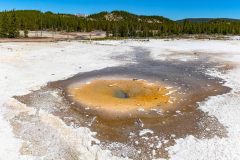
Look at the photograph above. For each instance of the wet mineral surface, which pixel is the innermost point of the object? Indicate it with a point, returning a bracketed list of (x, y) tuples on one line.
[(104, 101)]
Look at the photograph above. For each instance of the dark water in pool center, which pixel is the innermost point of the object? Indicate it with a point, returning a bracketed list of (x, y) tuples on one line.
[(121, 94)]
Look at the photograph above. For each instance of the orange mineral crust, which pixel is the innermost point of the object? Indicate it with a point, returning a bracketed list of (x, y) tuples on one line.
[(120, 96)]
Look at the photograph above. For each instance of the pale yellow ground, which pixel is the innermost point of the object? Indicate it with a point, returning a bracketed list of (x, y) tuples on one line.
[(101, 94)]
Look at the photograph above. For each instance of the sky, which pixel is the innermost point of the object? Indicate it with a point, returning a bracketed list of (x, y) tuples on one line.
[(173, 9)]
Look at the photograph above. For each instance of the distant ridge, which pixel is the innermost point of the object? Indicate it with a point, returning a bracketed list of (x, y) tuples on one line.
[(203, 20), (123, 15)]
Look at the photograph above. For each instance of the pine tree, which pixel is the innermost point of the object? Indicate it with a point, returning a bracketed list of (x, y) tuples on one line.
[(4, 26), (123, 30), (13, 31)]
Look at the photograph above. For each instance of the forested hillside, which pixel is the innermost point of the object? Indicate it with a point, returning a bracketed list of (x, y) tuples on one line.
[(116, 23)]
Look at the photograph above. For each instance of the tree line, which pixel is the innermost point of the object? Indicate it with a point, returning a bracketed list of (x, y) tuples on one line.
[(116, 23)]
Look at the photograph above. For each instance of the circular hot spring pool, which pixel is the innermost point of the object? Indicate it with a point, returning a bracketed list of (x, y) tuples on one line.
[(121, 97)]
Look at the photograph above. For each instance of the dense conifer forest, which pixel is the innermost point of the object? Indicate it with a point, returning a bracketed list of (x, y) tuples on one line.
[(116, 23)]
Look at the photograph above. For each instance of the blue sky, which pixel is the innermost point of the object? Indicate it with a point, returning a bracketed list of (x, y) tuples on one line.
[(174, 9)]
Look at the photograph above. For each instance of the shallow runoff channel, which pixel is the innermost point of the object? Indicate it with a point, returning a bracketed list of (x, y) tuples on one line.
[(140, 130)]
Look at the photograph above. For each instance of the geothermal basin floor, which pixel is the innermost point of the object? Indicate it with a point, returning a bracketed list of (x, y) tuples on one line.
[(45, 119)]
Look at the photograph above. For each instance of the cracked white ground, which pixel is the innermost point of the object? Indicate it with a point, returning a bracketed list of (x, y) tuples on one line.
[(28, 66)]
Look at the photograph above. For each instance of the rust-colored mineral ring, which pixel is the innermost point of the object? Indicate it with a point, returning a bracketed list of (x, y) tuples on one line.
[(120, 96)]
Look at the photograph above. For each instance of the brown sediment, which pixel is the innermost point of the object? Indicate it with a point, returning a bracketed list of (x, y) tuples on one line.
[(121, 97), (177, 122)]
